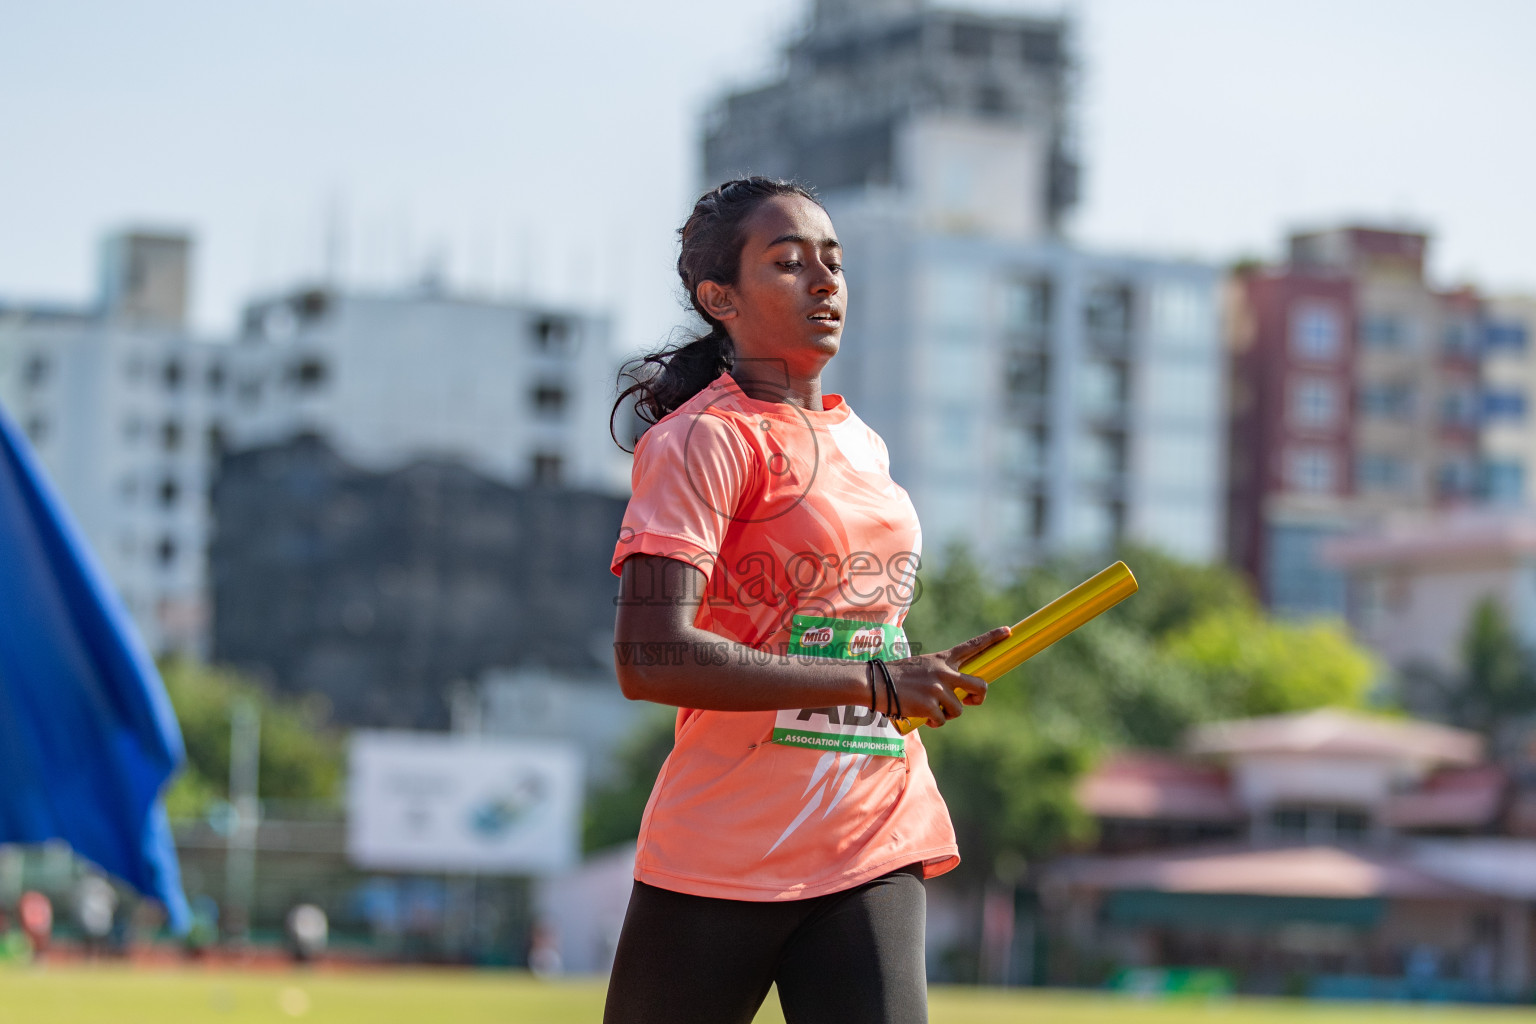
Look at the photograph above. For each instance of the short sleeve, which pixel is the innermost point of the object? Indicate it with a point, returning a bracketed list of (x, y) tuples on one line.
[(690, 473)]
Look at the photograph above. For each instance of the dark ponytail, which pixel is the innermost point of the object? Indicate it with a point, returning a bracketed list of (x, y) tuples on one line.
[(712, 238)]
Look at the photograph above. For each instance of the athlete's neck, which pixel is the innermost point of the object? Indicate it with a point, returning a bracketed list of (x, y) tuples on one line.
[(804, 392)]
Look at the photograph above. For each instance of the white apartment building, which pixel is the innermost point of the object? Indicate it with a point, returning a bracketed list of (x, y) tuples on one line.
[(518, 392), (129, 411), (126, 411)]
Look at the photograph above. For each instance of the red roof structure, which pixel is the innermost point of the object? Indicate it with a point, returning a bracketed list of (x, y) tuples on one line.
[(1308, 871), (1144, 785)]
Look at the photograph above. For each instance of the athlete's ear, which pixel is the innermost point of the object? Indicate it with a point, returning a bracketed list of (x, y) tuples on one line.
[(717, 300)]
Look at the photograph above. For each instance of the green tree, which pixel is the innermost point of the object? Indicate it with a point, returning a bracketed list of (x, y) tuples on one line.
[(1174, 593), (1191, 646), (1497, 684), (1009, 788), (300, 760), (1250, 665), (615, 806)]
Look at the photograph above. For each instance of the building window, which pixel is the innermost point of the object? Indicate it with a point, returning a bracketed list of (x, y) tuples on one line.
[(1183, 312), (35, 372), (1315, 402), (1320, 824), (1289, 823), (307, 374), (957, 296), (170, 491), (1503, 405), (1103, 388), (1317, 332), (972, 41), (37, 429), (1390, 401), (992, 99), (172, 374), (1509, 334), (1458, 478), (217, 443), (551, 334), (1504, 481), (549, 400), (1351, 826), (165, 551), (1381, 473), (1458, 407), (1109, 310), (1026, 375), (1097, 523), (1311, 470), (1387, 332), (1041, 47), (216, 377), (170, 436), (546, 469), (1460, 338), (1039, 516), (1026, 306)]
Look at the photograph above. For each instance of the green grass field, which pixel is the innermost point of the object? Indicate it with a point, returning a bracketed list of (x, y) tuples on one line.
[(117, 995)]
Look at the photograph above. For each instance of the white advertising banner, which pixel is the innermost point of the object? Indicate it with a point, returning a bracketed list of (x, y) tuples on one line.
[(434, 802)]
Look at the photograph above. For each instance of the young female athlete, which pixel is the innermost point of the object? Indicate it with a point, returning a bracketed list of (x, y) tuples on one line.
[(765, 558)]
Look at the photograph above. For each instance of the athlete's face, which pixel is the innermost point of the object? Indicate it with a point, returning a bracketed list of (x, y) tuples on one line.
[(788, 300)]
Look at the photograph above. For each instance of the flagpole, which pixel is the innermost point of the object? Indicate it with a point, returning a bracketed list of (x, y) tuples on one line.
[(240, 854)]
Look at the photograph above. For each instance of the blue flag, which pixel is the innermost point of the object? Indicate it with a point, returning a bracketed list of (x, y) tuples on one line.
[(87, 734)]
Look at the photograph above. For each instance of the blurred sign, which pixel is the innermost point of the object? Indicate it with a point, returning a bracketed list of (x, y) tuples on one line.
[(1172, 981), (433, 802)]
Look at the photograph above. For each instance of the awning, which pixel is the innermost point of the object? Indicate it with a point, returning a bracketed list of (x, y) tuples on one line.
[(1324, 872)]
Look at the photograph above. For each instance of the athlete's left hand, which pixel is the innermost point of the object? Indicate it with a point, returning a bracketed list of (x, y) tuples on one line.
[(932, 686)]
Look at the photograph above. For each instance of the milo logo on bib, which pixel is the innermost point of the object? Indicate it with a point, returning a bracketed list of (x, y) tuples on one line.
[(854, 728), (866, 643), (820, 636)]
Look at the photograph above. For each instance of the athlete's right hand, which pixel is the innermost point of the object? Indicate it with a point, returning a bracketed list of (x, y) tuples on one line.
[(926, 684)]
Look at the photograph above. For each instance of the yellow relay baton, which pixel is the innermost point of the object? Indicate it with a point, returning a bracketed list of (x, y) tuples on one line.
[(1036, 632)]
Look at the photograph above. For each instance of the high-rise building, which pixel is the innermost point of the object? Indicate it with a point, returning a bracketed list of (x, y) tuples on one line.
[(1037, 398), (1356, 396), (966, 115)]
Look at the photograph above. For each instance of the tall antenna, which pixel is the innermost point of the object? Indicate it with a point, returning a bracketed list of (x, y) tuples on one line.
[(335, 239)]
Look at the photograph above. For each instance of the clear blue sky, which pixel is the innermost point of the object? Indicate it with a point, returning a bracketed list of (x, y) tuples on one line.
[(552, 146)]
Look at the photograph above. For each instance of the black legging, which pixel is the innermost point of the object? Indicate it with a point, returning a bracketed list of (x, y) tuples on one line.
[(845, 958)]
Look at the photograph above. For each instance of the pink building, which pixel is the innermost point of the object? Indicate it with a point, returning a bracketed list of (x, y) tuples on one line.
[(1354, 392)]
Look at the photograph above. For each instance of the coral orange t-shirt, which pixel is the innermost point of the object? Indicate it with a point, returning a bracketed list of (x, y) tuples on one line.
[(808, 545)]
